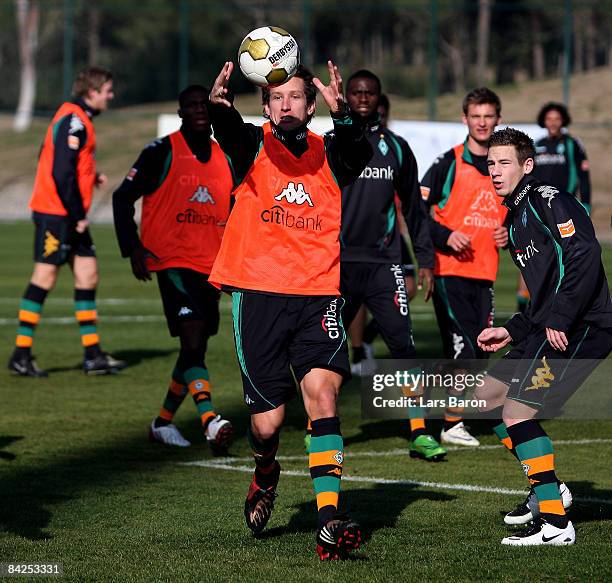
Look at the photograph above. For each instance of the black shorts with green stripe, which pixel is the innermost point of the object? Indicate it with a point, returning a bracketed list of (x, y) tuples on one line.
[(187, 296), (544, 378), (280, 338), (464, 308)]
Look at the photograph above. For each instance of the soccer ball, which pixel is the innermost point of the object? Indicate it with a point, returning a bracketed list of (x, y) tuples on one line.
[(268, 56)]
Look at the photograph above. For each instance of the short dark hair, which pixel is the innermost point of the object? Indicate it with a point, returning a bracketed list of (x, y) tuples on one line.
[(309, 87), (90, 78), (364, 74), (481, 96), (383, 101), (554, 106), (511, 137), (182, 97)]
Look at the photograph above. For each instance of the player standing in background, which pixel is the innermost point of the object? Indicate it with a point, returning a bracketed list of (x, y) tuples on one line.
[(371, 255), (561, 161), (63, 191), (186, 182), (280, 258), (360, 333), (467, 230), (557, 342)]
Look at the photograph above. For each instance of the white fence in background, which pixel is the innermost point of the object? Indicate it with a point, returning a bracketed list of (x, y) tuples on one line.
[(427, 139)]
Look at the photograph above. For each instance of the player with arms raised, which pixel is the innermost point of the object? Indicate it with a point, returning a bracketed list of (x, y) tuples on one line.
[(280, 258)]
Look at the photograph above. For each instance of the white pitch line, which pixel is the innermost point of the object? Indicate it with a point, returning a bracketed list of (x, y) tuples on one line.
[(62, 321), (99, 301), (371, 480), (366, 479), (403, 452)]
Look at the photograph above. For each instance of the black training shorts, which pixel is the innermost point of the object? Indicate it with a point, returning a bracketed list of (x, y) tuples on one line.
[(187, 296), (382, 288), (464, 308), (280, 337), (544, 378), (56, 240)]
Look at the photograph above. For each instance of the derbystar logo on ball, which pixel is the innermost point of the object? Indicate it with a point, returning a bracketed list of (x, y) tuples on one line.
[(268, 56)]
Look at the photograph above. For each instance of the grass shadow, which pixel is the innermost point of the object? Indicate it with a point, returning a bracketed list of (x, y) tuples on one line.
[(364, 506), (5, 441), (131, 356)]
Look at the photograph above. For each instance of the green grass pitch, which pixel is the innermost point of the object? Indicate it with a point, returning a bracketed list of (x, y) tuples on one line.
[(81, 485)]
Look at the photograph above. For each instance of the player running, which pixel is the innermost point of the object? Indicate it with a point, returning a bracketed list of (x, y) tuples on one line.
[(569, 318), (280, 258), (63, 191), (186, 181), (467, 230)]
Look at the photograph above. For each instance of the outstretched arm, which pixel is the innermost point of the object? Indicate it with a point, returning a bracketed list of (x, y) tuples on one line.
[(348, 149), (239, 140)]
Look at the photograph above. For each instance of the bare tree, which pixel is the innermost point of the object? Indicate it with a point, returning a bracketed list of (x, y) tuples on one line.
[(578, 26), (28, 18), (591, 40), (482, 43), (539, 64), (453, 52), (93, 39)]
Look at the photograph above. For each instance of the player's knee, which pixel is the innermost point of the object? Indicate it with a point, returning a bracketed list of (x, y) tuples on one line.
[(264, 429), (515, 412), (86, 279), (492, 394), (44, 275), (85, 271), (321, 402)]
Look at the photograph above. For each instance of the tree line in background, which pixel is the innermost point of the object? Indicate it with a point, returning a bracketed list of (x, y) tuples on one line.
[(154, 46)]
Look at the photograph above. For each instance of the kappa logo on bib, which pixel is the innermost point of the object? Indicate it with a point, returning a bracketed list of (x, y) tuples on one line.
[(295, 195), (202, 195), (485, 201)]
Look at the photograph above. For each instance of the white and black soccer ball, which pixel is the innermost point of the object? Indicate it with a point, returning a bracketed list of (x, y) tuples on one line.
[(268, 56)]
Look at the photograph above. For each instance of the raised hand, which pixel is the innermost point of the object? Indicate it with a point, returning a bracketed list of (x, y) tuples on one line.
[(219, 89), (333, 93)]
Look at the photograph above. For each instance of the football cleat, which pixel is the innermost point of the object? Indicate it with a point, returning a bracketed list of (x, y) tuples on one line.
[(459, 435), (25, 366), (427, 448), (103, 364), (364, 368), (219, 434), (529, 509), (542, 532), (168, 435), (337, 538), (259, 502), (307, 438)]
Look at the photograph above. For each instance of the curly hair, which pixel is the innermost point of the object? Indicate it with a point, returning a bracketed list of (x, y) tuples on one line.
[(554, 106)]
